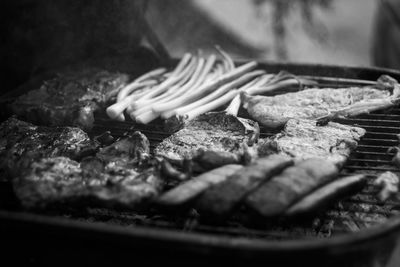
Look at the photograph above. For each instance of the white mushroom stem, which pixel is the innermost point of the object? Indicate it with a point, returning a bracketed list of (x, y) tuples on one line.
[(206, 88), (173, 78), (178, 79), (228, 59), (211, 105), (150, 74), (220, 91), (124, 92), (188, 81), (146, 114)]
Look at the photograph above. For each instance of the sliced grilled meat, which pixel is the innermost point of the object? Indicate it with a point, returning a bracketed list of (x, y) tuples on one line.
[(22, 142), (70, 99), (327, 194), (211, 140), (302, 139), (189, 190), (275, 196), (274, 111), (220, 200)]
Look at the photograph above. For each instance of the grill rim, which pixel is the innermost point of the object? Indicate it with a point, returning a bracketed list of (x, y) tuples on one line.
[(340, 242)]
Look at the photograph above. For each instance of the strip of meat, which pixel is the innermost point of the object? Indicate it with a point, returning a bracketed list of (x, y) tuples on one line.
[(224, 135), (22, 142), (302, 139), (220, 200), (187, 191), (326, 195), (274, 111), (274, 197), (70, 99)]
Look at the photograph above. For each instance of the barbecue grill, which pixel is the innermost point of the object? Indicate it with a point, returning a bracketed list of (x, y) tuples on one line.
[(358, 231)]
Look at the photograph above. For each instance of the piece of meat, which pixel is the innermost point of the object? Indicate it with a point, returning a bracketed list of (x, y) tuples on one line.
[(220, 200), (302, 139), (59, 182), (70, 99), (327, 194), (389, 185), (186, 192), (275, 196), (119, 175), (211, 140), (22, 142), (274, 111)]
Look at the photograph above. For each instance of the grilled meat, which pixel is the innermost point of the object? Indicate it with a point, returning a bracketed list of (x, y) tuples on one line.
[(189, 190), (274, 111), (326, 195), (220, 200), (22, 142), (302, 139), (389, 185), (52, 182), (70, 99), (275, 196), (211, 140), (120, 175)]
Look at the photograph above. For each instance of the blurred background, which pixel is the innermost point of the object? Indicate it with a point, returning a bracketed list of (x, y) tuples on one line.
[(40, 35)]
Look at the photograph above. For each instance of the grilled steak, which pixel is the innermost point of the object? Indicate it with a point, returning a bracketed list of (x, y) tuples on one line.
[(275, 196), (120, 175), (274, 111), (302, 139), (220, 200), (70, 99), (211, 140), (22, 142)]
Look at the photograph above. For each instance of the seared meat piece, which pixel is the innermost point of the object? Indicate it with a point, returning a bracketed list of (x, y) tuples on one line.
[(389, 185), (274, 111), (302, 139), (211, 140), (220, 200), (118, 176), (130, 151), (70, 99), (275, 196), (327, 194), (22, 142), (55, 181), (189, 190)]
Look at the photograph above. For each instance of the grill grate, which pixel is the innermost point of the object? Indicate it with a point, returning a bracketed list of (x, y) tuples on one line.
[(355, 213)]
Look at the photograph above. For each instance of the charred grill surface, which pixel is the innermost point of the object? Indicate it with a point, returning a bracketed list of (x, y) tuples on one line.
[(70, 98)]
